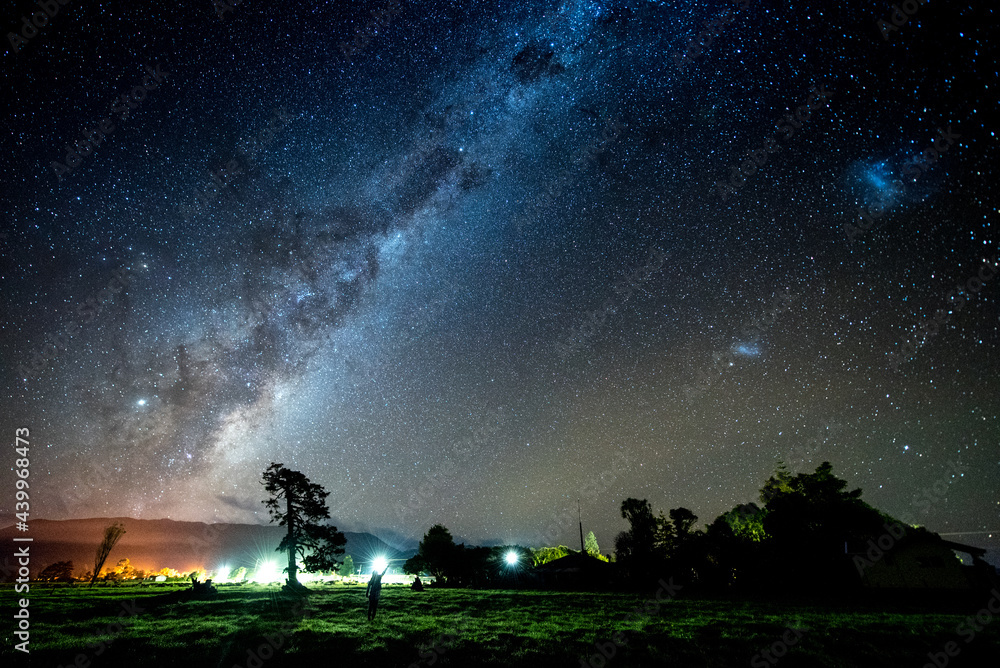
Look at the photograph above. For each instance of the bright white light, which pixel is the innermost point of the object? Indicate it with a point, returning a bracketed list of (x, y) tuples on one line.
[(379, 564), (141, 402), (511, 557), (266, 571)]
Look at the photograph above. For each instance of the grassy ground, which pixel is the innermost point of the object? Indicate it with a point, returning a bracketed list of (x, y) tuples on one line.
[(471, 628)]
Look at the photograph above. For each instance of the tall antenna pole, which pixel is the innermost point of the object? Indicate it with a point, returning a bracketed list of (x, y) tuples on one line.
[(580, 515)]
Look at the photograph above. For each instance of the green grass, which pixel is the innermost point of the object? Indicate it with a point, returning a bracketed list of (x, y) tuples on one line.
[(473, 628)]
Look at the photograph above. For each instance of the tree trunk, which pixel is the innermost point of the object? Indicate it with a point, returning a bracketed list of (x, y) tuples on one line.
[(292, 573)]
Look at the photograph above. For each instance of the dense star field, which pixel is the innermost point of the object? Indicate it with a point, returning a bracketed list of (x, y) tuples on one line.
[(469, 262)]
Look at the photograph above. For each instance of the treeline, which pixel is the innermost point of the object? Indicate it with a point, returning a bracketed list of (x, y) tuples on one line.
[(797, 537), (63, 571), (463, 565), (467, 566)]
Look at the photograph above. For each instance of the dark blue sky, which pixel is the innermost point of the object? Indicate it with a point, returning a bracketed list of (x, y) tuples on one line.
[(469, 262)]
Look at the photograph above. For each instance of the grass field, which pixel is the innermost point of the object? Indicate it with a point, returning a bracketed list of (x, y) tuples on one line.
[(75, 626)]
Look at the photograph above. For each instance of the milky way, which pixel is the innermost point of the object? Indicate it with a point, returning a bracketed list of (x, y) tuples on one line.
[(471, 262)]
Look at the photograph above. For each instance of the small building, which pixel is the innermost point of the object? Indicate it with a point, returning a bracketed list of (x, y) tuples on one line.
[(922, 560), (574, 571)]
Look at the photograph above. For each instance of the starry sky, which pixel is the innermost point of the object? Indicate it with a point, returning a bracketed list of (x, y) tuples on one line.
[(471, 262)]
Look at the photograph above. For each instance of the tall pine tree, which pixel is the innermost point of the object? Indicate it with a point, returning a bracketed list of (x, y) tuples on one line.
[(319, 545)]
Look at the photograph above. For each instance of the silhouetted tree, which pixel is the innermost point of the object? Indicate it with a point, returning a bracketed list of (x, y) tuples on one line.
[(683, 519), (61, 571), (664, 535), (778, 482), (809, 518), (637, 549), (473, 566), (436, 554), (415, 565), (641, 521), (112, 535), (683, 544), (319, 545), (623, 548), (816, 507)]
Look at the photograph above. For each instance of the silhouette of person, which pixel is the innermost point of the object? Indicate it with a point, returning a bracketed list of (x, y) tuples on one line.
[(374, 591)]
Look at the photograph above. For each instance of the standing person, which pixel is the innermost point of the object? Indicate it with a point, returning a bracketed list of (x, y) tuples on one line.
[(374, 590)]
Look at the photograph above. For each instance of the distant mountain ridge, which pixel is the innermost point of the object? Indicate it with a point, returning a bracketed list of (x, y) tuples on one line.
[(156, 544)]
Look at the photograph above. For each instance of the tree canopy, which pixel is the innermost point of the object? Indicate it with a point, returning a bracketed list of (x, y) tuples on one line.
[(638, 550), (543, 555), (797, 537), (435, 555), (816, 510), (61, 571)]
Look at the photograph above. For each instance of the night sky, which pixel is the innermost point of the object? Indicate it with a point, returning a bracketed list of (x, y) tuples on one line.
[(468, 262)]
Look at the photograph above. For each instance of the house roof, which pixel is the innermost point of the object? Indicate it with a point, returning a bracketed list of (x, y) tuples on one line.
[(922, 538), (960, 547), (577, 562)]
